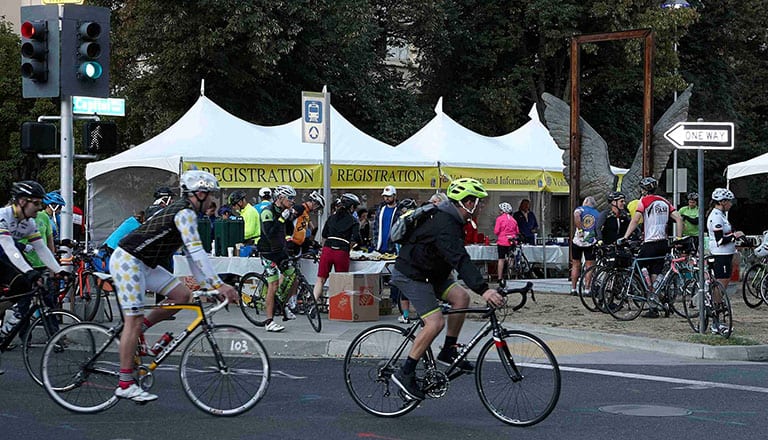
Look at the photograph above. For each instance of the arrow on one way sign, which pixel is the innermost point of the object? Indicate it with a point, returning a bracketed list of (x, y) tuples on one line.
[(701, 135)]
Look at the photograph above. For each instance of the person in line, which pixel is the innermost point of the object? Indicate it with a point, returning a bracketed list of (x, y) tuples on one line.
[(265, 194), (17, 221), (423, 272), (526, 221), (340, 233), (301, 227), (251, 223), (690, 215), (654, 212), (614, 220), (722, 246), (386, 215), (506, 231), (584, 240), (135, 268), (365, 228), (273, 248), (163, 197), (405, 304)]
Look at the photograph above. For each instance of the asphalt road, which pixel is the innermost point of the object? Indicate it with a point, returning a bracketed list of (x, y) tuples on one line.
[(608, 395)]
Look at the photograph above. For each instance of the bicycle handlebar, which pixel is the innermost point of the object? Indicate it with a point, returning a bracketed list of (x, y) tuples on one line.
[(523, 291), (212, 294)]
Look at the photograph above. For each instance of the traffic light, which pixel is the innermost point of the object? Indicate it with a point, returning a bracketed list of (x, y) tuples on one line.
[(40, 51), (100, 137), (85, 51), (38, 137)]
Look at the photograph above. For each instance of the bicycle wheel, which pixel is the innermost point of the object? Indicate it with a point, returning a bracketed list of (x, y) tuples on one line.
[(671, 294), (309, 306), (80, 370), (518, 380), (525, 267), (586, 294), (87, 295), (725, 315), (253, 290), (225, 371), (41, 329), (750, 287), (691, 304), (371, 360), (621, 294)]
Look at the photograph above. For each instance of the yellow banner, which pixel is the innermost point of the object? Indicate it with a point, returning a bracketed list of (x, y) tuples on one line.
[(362, 177), (253, 176), (500, 180), (555, 182)]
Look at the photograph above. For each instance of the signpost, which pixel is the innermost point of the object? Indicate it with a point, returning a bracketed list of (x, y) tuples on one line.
[(316, 129), (701, 136)]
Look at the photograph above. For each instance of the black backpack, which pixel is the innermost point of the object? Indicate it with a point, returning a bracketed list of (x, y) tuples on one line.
[(407, 223)]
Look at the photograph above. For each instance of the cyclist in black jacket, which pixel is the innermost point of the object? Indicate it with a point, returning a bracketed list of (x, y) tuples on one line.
[(340, 232), (612, 222), (423, 272)]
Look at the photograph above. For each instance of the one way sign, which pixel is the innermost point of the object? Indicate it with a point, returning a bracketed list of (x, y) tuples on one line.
[(701, 135)]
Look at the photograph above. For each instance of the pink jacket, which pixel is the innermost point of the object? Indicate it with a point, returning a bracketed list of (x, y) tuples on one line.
[(506, 228)]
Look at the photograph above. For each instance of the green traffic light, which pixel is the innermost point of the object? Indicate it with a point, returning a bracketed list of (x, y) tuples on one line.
[(90, 70)]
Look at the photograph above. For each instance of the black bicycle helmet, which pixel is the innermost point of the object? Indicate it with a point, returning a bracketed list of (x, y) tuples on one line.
[(693, 196), (407, 204), (615, 195), (235, 197), (163, 191), (27, 188), (649, 184)]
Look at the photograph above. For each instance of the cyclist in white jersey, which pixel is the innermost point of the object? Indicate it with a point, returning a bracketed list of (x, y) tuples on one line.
[(655, 212), (722, 246)]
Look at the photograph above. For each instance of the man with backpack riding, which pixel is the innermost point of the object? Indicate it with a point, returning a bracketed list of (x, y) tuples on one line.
[(423, 270)]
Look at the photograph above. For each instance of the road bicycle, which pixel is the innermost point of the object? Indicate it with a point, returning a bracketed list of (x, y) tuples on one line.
[(517, 376), (516, 265), (723, 313), (35, 328), (754, 278), (253, 296), (87, 289), (224, 369)]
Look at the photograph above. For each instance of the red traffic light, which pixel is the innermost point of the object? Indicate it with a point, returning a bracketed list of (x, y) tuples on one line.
[(34, 29)]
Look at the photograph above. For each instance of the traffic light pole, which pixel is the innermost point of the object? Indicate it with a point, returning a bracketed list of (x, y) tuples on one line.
[(67, 167)]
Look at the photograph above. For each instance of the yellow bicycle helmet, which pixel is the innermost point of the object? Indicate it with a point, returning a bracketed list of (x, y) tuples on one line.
[(465, 187)]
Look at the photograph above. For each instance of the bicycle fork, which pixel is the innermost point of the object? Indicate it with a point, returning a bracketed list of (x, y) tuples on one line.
[(506, 359)]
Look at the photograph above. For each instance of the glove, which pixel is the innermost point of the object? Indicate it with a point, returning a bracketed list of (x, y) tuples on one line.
[(32, 276), (621, 241), (286, 214)]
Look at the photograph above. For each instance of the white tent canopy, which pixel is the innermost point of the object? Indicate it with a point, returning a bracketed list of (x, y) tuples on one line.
[(756, 165), (532, 146)]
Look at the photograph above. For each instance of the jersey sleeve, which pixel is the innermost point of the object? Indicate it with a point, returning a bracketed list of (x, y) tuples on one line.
[(202, 270)]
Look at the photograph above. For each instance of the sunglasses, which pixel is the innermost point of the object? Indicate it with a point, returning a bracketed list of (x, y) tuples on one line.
[(291, 197)]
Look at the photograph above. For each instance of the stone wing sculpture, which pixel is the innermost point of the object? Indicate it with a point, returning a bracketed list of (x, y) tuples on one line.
[(596, 176)]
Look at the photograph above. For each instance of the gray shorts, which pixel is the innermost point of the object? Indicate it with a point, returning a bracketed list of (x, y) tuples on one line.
[(425, 297)]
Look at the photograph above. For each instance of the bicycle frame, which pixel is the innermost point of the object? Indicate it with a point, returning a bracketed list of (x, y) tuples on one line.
[(5, 342)]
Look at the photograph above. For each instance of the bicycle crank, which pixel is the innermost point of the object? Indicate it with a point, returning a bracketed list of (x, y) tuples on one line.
[(435, 383), (144, 378)]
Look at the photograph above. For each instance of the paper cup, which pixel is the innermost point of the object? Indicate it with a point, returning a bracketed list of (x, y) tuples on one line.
[(230, 251)]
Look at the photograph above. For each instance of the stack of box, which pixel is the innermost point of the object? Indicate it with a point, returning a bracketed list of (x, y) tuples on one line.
[(354, 296)]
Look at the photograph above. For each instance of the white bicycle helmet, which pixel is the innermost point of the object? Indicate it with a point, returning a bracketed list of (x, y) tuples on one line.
[(349, 200), (284, 191), (265, 192), (762, 250), (318, 198), (505, 207), (196, 180), (720, 194)]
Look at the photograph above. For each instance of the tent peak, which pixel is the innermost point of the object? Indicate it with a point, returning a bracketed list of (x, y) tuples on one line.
[(202, 87), (439, 106)]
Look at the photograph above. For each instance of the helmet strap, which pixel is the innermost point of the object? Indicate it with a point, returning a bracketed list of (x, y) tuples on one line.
[(472, 211)]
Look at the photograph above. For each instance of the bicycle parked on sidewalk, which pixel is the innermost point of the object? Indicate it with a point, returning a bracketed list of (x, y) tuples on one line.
[(253, 296), (86, 290), (516, 265), (35, 327), (224, 369), (517, 376), (724, 316)]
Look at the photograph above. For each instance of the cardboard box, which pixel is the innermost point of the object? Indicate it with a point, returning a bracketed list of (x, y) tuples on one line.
[(385, 306), (353, 306), (354, 281)]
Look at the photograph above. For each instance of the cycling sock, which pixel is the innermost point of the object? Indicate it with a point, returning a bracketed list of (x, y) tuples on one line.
[(126, 378), (145, 325), (450, 341), (405, 313), (409, 366)]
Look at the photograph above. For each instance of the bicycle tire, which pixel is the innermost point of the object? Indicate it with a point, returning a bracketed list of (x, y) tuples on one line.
[(309, 306), (251, 288), (586, 295), (750, 286), (371, 360), (109, 315), (673, 293), (225, 370), (726, 318), (525, 391), (80, 370), (87, 295), (38, 335), (691, 304), (525, 267), (619, 291)]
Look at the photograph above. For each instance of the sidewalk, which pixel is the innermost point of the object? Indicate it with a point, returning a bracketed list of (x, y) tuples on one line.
[(300, 340)]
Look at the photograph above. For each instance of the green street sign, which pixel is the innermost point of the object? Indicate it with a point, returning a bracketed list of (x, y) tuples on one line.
[(99, 106)]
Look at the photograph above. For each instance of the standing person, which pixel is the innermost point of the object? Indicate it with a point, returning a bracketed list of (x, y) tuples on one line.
[(526, 221), (405, 304), (302, 226), (340, 233), (135, 268), (690, 215), (251, 223), (273, 248), (583, 243), (722, 246), (365, 228), (613, 221), (386, 215), (654, 212), (423, 271), (265, 194), (506, 231)]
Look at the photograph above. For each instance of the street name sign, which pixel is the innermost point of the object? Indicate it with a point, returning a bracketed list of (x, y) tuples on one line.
[(314, 113), (701, 135), (100, 106)]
